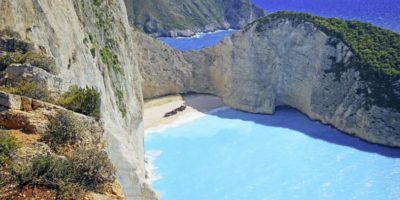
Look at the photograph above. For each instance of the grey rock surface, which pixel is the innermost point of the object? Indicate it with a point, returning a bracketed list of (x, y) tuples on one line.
[(16, 73), (75, 33), (186, 17), (286, 64)]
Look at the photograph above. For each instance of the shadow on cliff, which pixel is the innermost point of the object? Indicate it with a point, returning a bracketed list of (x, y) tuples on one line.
[(290, 118)]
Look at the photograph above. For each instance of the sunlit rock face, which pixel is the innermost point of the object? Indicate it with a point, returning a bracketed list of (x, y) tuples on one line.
[(81, 36), (288, 63), (279, 63)]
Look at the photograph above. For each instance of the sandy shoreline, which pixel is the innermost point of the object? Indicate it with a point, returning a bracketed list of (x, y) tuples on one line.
[(198, 105)]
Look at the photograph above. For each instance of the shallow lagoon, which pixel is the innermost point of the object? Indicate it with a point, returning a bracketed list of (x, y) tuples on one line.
[(237, 156)]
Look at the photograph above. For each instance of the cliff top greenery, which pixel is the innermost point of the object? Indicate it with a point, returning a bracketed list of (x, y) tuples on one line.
[(154, 15), (374, 47)]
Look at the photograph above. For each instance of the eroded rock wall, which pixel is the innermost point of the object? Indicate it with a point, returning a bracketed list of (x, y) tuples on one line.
[(92, 45), (164, 70), (284, 63), (290, 63)]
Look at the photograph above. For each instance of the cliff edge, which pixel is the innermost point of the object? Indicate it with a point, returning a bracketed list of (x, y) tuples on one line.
[(343, 73), (89, 44), (186, 17)]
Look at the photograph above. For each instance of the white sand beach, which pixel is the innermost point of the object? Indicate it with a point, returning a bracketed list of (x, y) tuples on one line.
[(197, 105)]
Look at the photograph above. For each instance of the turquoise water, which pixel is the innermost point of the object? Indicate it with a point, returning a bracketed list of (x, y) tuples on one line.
[(240, 156)]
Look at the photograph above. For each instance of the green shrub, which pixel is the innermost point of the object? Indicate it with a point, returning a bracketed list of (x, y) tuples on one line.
[(64, 129), (30, 89), (8, 146), (82, 100), (8, 58), (46, 170), (94, 167), (68, 191), (41, 61), (35, 59), (120, 102), (86, 170), (97, 2), (52, 172), (110, 59)]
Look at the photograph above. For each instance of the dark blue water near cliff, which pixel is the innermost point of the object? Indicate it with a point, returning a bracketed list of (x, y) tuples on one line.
[(197, 42), (383, 13)]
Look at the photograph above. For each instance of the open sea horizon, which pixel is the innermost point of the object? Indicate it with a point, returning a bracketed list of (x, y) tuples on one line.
[(381, 13)]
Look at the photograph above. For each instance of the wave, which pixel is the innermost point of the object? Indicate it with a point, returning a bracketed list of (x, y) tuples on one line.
[(151, 169), (200, 34)]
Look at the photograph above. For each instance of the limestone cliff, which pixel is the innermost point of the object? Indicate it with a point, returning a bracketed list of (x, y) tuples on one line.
[(163, 69), (187, 17), (92, 46), (289, 61), (274, 61)]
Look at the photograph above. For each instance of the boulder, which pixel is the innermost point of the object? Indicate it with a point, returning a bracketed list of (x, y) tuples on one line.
[(10, 101), (15, 73)]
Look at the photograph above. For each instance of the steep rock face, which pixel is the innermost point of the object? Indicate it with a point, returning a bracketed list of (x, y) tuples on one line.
[(290, 63), (186, 17), (284, 63), (92, 46), (164, 70)]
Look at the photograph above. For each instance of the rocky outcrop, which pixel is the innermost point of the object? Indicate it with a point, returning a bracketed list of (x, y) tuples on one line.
[(286, 62), (187, 17), (16, 73), (92, 46), (27, 121), (32, 117)]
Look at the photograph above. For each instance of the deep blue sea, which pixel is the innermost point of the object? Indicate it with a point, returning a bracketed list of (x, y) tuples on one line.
[(197, 42), (383, 13), (231, 155)]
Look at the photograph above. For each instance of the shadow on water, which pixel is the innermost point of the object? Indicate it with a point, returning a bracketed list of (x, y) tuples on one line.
[(285, 117)]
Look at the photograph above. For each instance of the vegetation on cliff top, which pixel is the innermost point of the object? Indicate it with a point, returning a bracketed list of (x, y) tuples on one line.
[(86, 170), (29, 89), (154, 16), (63, 129), (82, 100), (374, 47), (33, 58), (376, 54), (8, 146), (70, 171)]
